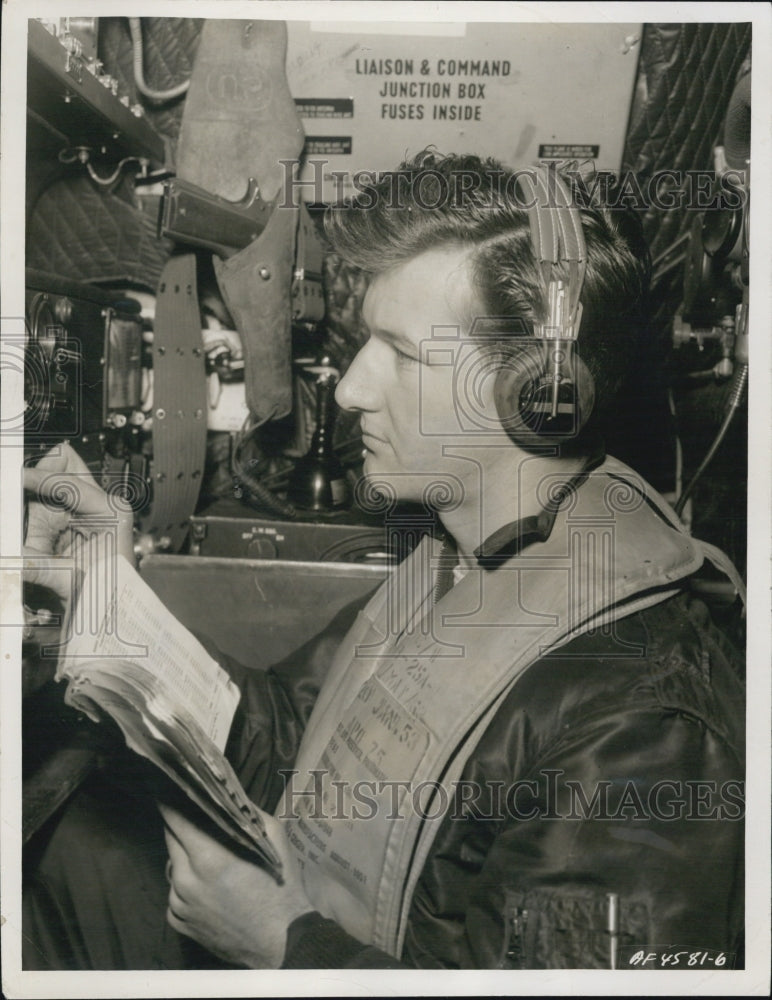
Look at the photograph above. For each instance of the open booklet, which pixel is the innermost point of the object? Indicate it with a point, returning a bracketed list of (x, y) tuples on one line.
[(128, 656)]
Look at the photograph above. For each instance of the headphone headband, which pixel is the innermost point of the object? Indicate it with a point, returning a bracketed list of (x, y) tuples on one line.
[(558, 239), (552, 405)]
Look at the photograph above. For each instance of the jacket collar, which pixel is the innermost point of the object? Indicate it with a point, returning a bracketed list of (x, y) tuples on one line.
[(512, 538)]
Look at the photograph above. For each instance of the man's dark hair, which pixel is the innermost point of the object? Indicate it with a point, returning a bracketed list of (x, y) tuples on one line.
[(433, 201)]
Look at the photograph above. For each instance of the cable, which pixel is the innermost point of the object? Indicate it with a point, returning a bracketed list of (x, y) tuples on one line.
[(107, 181), (679, 454), (736, 390), (159, 96), (257, 494), (668, 250), (82, 155), (666, 268), (262, 498)]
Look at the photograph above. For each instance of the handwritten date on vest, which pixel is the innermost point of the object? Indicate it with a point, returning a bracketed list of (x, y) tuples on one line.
[(392, 719)]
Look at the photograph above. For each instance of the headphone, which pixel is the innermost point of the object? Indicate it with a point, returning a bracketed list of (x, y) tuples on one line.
[(544, 392)]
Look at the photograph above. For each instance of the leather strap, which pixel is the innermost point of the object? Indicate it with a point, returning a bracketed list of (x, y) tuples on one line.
[(179, 405)]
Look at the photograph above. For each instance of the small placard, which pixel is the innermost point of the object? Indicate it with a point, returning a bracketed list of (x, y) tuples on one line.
[(325, 107), (568, 151), (333, 145)]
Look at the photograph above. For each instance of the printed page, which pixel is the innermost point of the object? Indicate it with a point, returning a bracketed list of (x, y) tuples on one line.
[(178, 748), (119, 618)]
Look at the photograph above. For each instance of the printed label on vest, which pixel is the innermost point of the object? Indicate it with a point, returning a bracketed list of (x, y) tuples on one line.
[(378, 745)]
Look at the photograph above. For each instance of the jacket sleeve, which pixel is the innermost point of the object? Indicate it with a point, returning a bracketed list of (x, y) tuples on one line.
[(635, 802), (613, 818), (314, 942)]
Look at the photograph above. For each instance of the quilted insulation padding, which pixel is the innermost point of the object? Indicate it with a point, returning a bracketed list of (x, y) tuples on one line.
[(686, 76), (87, 233), (170, 45), (82, 232)]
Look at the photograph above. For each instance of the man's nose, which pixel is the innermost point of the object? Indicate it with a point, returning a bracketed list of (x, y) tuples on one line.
[(357, 389)]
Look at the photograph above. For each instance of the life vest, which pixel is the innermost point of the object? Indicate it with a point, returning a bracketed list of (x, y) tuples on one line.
[(414, 685)]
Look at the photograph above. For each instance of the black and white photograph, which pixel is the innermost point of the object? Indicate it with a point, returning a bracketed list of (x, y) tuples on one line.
[(385, 545)]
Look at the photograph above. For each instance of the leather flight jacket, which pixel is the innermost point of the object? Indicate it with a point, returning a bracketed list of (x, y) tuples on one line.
[(601, 775)]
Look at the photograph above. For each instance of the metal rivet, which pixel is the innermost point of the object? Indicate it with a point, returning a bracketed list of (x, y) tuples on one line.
[(160, 414), (162, 351), (264, 273)]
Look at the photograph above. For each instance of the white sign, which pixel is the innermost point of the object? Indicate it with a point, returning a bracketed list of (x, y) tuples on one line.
[(517, 92)]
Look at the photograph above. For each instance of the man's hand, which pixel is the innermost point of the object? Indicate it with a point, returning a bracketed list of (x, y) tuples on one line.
[(228, 904), (64, 491), (62, 494)]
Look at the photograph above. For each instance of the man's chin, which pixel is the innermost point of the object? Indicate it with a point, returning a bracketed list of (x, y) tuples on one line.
[(382, 487)]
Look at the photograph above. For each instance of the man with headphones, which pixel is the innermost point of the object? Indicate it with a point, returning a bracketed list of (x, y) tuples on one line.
[(526, 749)]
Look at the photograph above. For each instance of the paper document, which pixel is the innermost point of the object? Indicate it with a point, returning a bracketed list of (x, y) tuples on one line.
[(127, 656)]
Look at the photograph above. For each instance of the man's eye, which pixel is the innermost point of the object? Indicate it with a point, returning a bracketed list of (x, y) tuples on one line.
[(404, 359)]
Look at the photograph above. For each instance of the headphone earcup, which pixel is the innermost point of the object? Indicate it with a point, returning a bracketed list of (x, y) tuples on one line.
[(523, 395)]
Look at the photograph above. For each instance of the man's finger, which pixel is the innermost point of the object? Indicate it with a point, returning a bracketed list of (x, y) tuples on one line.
[(176, 923), (42, 569), (176, 904), (178, 875), (174, 842), (62, 458), (74, 492), (187, 836)]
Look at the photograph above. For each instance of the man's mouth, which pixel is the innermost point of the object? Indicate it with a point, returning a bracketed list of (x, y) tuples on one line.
[(369, 440)]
